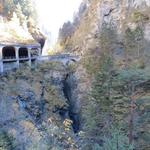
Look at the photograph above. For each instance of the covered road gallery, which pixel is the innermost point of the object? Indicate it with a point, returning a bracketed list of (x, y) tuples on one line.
[(11, 55)]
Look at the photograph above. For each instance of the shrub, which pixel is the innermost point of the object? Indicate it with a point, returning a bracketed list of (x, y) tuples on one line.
[(6, 141), (139, 17), (117, 140), (97, 112)]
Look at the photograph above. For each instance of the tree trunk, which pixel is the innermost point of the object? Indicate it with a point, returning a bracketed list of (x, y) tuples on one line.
[(131, 121)]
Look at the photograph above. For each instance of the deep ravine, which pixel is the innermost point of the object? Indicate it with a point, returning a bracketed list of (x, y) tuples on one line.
[(69, 90)]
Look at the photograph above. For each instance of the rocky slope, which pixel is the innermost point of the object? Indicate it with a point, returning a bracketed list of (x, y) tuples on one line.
[(34, 112)]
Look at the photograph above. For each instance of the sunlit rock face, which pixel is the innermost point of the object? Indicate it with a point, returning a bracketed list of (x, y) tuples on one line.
[(115, 13), (36, 33), (125, 15)]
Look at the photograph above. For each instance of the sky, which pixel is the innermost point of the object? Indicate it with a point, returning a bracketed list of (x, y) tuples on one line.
[(53, 13)]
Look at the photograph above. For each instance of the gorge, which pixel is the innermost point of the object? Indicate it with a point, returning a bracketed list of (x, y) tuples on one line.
[(99, 99)]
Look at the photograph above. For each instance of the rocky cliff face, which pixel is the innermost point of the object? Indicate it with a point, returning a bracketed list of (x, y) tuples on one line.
[(121, 30), (34, 112), (120, 17)]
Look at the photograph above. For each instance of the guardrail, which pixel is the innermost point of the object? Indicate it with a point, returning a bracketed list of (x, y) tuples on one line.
[(42, 58), (63, 58)]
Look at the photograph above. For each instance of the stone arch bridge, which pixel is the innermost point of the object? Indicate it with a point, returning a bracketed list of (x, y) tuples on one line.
[(64, 58)]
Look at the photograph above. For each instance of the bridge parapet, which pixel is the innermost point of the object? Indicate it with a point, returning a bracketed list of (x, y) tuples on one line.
[(60, 58), (15, 61)]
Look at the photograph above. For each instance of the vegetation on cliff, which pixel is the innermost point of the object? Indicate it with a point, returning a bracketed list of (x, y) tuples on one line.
[(23, 8), (33, 109), (19, 22), (106, 94)]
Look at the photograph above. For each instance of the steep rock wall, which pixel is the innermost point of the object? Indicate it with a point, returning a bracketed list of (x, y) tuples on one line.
[(117, 15)]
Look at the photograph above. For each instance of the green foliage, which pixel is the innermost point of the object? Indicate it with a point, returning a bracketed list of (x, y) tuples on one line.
[(108, 38), (6, 141), (106, 44), (134, 41), (133, 74), (91, 63), (20, 14), (102, 84), (109, 101), (131, 84), (100, 99), (127, 81), (57, 66), (96, 147), (125, 84), (71, 67), (139, 17), (99, 66), (24, 7), (117, 140)]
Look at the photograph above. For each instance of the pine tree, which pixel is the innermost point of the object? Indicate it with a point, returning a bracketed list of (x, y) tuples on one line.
[(100, 102), (102, 84), (19, 14), (117, 140), (130, 84)]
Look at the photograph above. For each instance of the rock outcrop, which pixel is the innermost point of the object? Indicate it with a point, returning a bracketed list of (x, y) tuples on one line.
[(33, 108)]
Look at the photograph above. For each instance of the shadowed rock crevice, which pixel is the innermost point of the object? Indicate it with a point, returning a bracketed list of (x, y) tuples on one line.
[(69, 89)]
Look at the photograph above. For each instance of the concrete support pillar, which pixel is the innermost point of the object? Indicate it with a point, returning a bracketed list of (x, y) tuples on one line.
[(17, 56), (1, 60), (39, 52), (29, 56)]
